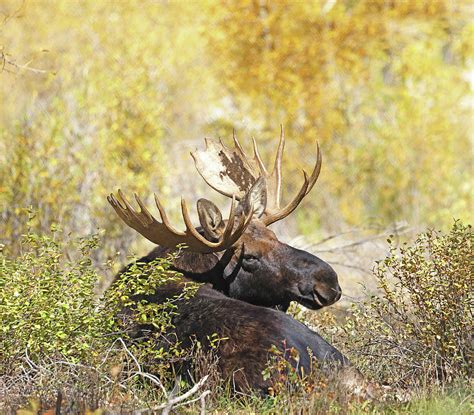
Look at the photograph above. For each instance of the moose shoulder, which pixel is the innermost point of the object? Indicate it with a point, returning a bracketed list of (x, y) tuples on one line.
[(248, 269)]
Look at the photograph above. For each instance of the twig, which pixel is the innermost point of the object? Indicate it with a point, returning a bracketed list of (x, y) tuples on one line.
[(6, 61), (201, 398), (120, 340), (140, 372), (397, 229), (358, 268), (167, 406)]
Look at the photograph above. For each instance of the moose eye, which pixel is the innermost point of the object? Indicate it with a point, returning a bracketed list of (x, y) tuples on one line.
[(250, 259)]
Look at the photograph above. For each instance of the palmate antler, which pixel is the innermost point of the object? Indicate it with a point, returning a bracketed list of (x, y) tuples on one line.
[(232, 172), (164, 234)]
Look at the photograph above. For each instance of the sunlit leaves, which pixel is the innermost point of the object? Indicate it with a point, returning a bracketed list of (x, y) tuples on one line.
[(421, 323), (382, 85)]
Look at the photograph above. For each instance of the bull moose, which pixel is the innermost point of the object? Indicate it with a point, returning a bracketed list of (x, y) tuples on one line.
[(251, 277)]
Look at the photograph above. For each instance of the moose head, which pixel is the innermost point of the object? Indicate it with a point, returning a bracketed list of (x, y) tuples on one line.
[(241, 256)]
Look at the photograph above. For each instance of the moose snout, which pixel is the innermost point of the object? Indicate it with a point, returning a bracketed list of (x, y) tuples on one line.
[(326, 294)]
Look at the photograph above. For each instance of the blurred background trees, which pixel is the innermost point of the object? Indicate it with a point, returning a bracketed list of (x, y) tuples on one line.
[(101, 95)]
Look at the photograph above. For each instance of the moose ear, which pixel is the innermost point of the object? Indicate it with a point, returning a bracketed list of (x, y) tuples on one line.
[(210, 218), (257, 197)]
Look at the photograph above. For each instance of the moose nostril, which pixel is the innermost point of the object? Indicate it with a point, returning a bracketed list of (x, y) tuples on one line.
[(327, 295), (321, 296)]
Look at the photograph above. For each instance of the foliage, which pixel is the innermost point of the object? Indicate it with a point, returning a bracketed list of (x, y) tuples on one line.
[(48, 302), (383, 85), (59, 336), (419, 330), (98, 122), (282, 371)]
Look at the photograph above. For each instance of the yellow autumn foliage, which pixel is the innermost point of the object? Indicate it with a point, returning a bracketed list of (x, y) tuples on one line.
[(97, 95)]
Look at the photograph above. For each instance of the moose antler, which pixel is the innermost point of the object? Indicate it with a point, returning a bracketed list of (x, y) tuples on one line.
[(232, 172), (164, 234)]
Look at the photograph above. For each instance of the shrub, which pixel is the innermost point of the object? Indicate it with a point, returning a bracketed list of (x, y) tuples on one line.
[(48, 301), (60, 339), (420, 329)]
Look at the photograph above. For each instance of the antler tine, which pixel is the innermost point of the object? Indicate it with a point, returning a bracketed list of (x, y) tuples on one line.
[(228, 237), (230, 222), (281, 147), (257, 157), (190, 227), (317, 169), (129, 209), (244, 221), (164, 216), (119, 209), (305, 189), (291, 206), (136, 220), (237, 144), (277, 166), (143, 209)]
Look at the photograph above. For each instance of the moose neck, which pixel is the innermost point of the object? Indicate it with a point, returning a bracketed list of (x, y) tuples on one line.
[(204, 268)]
